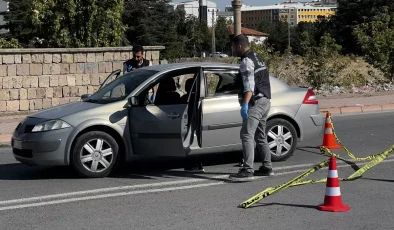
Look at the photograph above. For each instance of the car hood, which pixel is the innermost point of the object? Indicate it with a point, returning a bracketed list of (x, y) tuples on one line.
[(64, 110)]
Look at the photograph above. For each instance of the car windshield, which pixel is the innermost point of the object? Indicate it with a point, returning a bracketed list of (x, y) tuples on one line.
[(120, 88)]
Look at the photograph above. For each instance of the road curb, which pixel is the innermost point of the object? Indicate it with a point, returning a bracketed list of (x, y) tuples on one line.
[(358, 109)]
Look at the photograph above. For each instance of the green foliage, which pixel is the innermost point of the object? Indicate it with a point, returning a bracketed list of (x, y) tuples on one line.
[(354, 78), (266, 27), (351, 13), (303, 38), (73, 23), (376, 40), (322, 65), (146, 21), (12, 43), (279, 36), (18, 21), (222, 34), (186, 36), (266, 53), (68, 23)]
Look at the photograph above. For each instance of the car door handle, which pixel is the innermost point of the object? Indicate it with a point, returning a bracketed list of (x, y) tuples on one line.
[(173, 115)]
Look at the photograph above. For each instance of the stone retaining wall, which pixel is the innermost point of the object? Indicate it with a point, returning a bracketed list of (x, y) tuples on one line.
[(35, 79)]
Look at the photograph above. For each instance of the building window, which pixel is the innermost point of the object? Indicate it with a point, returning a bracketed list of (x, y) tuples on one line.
[(292, 16)]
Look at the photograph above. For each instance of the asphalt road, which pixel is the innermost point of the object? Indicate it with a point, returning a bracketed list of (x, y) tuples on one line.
[(159, 195)]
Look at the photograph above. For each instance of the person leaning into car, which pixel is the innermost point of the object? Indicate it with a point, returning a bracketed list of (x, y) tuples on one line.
[(256, 103), (138, 61)]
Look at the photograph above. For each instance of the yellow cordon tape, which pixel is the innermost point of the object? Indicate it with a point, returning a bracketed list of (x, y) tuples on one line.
[(375, 160)]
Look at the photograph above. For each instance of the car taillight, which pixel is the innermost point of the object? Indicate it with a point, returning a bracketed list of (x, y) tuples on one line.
[(310, 98)]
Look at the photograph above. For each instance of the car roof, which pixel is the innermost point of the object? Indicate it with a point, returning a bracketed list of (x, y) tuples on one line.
[(174, 66)]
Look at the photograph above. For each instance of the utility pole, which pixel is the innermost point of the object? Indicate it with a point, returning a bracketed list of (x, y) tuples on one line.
[(213, 30), (288, 30), (200, 11), (288, 24)]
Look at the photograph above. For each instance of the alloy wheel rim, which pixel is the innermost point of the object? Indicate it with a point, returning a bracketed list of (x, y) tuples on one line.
[(96, 155), (280, 140)]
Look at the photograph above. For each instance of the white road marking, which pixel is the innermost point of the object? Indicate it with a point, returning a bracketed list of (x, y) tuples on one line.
[(138, 186), (106, 196), (102, 190), (62, 201)]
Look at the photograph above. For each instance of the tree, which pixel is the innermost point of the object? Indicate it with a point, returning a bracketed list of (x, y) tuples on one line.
[(266, 27), (18, 20), (303, 38), (184, 36), (174, 39), (323, 66), (376, 40), (349, 14), (67, 23), (146, 20), (222, 34), (279, 36)]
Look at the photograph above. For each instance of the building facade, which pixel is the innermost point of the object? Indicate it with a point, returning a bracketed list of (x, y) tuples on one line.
[(192, 8), (292, 12), (328, 2)]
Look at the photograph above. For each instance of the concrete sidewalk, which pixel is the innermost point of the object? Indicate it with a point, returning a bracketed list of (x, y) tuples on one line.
[(336, 104)]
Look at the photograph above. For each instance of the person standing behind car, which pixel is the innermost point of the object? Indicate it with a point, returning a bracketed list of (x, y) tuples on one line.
[(138, 61), (256, 103)]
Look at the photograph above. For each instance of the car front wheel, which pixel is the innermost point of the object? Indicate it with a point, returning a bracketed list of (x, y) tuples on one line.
[(282, 139), (94, 154)]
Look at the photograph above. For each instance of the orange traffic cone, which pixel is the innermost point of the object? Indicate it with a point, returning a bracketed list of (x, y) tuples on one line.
[(329, 138), (333, 198)]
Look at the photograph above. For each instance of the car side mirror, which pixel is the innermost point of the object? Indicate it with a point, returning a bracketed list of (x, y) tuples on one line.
[(133, 101), (85, 96)]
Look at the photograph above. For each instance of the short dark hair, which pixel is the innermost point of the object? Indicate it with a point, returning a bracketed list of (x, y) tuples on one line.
[(138, 48), (241, 39)]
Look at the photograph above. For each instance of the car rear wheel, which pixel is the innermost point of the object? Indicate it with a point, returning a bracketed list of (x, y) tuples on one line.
[(94, 154), (282, 139)]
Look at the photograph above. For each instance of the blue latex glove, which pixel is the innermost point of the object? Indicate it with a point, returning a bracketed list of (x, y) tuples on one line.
[(153, 97), (129, 68), (244, 111)]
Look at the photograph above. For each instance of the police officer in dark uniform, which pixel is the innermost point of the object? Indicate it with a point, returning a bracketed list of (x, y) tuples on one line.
[(138, 60), (255, 105)]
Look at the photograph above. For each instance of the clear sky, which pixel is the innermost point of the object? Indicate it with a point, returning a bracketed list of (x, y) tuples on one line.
[(222, 3)]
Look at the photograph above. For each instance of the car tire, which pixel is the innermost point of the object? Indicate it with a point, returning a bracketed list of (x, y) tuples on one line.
[(288, 131), (89, 159)]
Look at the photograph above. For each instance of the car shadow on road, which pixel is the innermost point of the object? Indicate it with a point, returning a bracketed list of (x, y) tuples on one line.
[(18, 171), (174, 167), (140, 169), (283, 204)]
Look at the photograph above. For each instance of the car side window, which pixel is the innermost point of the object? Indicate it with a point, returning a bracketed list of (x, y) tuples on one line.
[(223, 83), (174, 88)]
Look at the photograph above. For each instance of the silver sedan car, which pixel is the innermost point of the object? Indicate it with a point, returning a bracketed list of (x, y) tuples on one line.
[(196, 110)]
